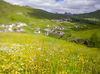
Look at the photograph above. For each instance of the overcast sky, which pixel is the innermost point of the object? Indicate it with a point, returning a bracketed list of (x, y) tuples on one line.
[(61, 6)]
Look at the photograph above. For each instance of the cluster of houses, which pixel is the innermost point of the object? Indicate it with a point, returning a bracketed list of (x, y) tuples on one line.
[(47, 31), (10, 27), (61, 20), (57, 27), (18, 27), (57, 32), (53, 31)]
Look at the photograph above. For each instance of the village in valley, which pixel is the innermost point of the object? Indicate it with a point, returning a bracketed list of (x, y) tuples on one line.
[(54, 29), (49, 37), (19, 27), (10, 27)]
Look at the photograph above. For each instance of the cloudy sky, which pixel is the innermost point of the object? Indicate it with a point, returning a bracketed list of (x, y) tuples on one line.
[(61, 6)]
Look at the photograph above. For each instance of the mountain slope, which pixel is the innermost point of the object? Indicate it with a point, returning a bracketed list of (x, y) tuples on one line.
[(29, 53), (95, 14), (38, 54), (39, 18), (9, 12)]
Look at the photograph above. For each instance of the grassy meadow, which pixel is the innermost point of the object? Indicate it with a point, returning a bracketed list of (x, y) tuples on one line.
[(30, 53), (23, 53)]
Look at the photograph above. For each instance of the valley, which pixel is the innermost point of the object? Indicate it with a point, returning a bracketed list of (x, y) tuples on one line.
[(33, 41)]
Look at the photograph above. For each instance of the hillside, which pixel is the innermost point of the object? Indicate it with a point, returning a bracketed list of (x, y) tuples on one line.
[(38, 54), (10, 12), (48, 43), (77, 29), (95, 14)]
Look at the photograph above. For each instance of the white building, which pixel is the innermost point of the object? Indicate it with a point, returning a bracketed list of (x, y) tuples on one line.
[(47, 25), (37, 31)]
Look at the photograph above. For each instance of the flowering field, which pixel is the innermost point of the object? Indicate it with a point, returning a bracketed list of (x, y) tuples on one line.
[(37, 54)]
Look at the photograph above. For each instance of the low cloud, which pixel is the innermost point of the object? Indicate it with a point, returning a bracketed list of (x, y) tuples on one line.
[(61, 6)]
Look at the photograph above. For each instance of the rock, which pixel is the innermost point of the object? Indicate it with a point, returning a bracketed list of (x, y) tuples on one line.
[(86, 42)]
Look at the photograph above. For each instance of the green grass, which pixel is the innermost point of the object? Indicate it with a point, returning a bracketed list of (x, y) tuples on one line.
[(94, 14), (33, 53), (36, 17), (29, 53), (8, 13)]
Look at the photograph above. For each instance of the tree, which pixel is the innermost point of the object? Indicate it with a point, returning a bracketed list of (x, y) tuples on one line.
[(94, 40)]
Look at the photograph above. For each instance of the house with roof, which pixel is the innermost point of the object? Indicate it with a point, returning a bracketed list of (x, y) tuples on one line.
[(47, 33), (37, 31), (19, 24), (47, 29), (47, 25), (10, 26), (57, 27), (4, 26), (57, 32), (60, 32), (20, 30)]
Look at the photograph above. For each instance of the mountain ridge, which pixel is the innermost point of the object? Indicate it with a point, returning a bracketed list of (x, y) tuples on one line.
[(94, 14), (34, 13)]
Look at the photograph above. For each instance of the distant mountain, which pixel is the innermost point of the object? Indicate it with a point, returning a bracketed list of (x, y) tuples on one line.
[(95, 14), (56, 13), (68, 13)]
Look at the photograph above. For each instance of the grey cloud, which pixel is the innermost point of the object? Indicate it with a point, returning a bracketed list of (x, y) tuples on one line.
[(73, 6)]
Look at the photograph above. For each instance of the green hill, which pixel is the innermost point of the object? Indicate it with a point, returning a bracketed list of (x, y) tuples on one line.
[(9, 12), (39, 18), (30, 53), (95, 14), (38, 54)]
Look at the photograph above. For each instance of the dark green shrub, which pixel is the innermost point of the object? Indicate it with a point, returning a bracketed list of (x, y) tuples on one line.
[(94, 40)]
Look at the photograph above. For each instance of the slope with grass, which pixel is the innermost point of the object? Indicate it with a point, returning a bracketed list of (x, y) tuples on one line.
[(95, 14), (8, 13), (39, 18), (38, 54), (29, 53)]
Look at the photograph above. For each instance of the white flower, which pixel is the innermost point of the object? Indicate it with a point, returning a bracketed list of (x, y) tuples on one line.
[(21, 69), (16, 71), (2, 66), (42, 55), (22, 64), (12, 63), (39, 48), (32, 59), (50, 54), (47, 60), (61, 51)]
